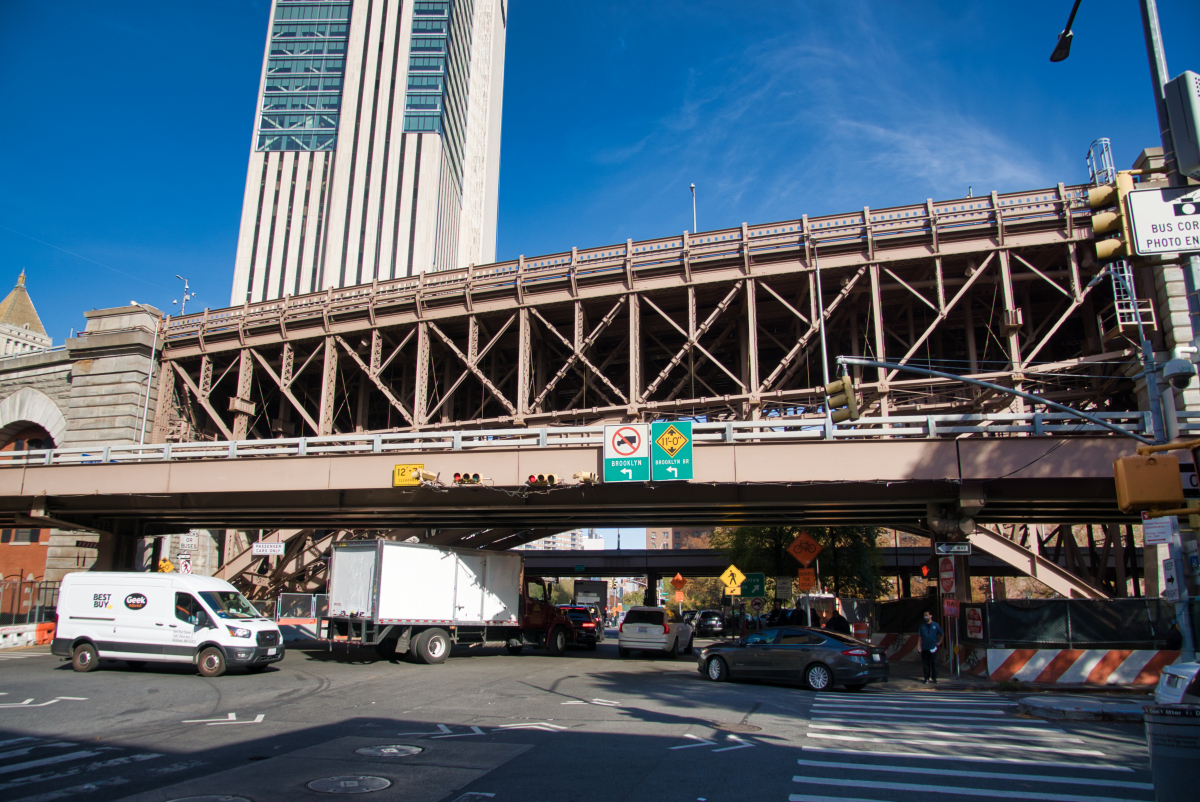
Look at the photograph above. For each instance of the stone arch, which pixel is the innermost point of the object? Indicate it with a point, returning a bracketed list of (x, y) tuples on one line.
[(29, 406)]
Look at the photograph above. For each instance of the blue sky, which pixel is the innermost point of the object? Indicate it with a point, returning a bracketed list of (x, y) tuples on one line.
[(129, 124)]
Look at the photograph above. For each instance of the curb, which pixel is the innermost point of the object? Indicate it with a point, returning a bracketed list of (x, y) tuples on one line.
[(1065, 709)]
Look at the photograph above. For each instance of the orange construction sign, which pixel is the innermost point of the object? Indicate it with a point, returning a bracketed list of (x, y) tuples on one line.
[(804, 549), (678, 582), (806, 578)]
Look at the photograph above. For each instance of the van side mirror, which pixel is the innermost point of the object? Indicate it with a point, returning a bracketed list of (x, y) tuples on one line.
[(204, 622)]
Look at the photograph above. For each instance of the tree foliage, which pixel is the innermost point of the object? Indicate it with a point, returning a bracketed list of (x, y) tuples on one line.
[(849, 564)]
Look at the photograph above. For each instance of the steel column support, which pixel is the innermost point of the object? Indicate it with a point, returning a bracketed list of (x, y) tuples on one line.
[(329, 375), (241, 405)]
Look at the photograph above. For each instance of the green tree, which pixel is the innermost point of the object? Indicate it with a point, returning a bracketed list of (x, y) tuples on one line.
[(563, 591), (849, 563)]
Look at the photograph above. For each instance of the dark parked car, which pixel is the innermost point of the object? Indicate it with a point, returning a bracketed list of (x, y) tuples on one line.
[(589, 626), (709, 624), (817, 657)]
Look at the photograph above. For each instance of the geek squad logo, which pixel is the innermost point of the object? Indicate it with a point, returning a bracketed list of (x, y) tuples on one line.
[(136, 601)]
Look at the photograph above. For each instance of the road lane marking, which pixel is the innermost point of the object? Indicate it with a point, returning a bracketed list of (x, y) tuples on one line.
[(442, 729), (918, 716), (77, 770), (229, 719), (1030, 730), (822, 706), (951, 789), (972, 759), (64, 793), (917, 731), (30, 748), (741, 744), (474, 731), (985, 775), (693, 746), (977, 745), (50, 761)]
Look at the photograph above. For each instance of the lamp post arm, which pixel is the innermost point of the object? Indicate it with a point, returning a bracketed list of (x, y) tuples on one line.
[(871, 363)]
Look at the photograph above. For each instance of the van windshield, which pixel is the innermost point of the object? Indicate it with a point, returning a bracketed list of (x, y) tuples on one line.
[(229, 604)]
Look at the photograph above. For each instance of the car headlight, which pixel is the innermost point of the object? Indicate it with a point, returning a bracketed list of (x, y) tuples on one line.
[(238, 632)]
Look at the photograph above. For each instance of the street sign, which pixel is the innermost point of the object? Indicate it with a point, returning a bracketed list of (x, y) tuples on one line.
[(756, 604), (1157, 530), (627, 452), (678, 582), (804, 549), (679, 595), (944, 549), (1171, 577), (950, 607), (189, 542), (975, 623), (755, 585), (185, 565), (732, 577), (806, 579), (783, 587), (671, 451), (407, 475), (267, 549), (946, 574), (1165, 220), (579, 567)]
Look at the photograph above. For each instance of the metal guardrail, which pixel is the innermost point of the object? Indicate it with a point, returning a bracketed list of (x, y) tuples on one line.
[(917, 427)]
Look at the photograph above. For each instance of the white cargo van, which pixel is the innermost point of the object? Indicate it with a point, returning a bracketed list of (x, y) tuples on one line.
[(173, 618)]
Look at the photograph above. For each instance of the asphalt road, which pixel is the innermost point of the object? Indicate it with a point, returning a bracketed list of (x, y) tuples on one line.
[(492, 727)]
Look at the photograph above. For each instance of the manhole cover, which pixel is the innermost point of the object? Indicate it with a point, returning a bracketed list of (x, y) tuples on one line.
[(737, 728), (389, 750), (212, 798), (349, 784)]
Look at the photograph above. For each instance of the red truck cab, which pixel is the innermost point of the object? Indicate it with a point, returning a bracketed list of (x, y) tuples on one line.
[(542, 623)]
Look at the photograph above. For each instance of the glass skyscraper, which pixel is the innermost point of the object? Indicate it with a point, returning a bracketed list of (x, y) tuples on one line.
[(376, 150)]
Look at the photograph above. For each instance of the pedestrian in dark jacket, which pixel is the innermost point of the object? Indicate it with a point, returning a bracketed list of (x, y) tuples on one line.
[(838, 623), (930, 635)]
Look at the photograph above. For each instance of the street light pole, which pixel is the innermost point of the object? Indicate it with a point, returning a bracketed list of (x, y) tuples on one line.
[(693, 208)]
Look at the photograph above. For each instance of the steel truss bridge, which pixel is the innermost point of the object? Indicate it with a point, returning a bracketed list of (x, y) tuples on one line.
[(721, 325), (289, 413)]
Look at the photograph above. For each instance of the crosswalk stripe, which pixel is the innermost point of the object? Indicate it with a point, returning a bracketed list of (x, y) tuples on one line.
[(74, 771), (968, 758), (1031, 730), (953, 789), (929, 700), (974, 744), (874, 714), (4, 656), (48, 761), (817, 706), (31, 747), (916, 731), (983, 775)]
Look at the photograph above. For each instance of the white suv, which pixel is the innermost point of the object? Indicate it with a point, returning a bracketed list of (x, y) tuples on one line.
[(654, 629)]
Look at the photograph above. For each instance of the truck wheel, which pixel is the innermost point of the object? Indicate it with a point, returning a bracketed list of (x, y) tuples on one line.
[(432, 646), (556, 644), (85, 658), (211, 663), (514, 647)]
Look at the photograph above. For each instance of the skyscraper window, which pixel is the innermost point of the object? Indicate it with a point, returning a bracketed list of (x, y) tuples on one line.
[(305, 65)]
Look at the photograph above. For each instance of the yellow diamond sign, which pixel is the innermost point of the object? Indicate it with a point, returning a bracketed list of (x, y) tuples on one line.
[(732, 578), (672, 441)]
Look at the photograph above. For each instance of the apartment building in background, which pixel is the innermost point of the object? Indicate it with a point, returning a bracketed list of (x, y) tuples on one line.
[(574, 540), (679, 537), (376, 146)]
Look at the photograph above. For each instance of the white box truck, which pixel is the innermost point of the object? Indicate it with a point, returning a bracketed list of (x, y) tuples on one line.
[(417, 600), (593, 593), (164, 618)]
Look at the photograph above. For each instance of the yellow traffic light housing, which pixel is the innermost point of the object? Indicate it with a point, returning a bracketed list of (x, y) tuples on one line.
[(543, 479), (1115, 220), (842, 401)]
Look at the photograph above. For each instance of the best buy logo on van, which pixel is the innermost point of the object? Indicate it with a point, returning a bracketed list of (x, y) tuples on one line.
[(136, 601)]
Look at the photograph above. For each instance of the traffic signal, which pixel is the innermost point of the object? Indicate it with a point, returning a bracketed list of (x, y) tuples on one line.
[(467, 479), (586, 477), (1115, 218), (841, 399), (543, 479)]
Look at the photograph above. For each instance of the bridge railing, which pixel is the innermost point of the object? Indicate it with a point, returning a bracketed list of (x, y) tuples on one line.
[(911, 427), (873, 228)]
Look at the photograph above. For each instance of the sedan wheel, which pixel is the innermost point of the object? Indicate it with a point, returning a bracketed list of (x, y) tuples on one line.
[(717, 670), (818, 677)]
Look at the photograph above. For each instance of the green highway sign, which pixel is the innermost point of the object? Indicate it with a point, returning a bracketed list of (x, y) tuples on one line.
[(755, 586), (671, 451), (627, 452)]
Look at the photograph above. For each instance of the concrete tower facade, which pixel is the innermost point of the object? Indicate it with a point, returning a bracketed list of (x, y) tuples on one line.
[(376, 151)]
